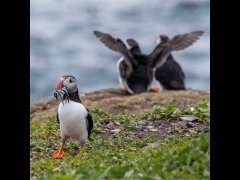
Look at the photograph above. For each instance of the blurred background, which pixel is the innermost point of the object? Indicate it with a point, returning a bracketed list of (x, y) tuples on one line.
[(62, 41)]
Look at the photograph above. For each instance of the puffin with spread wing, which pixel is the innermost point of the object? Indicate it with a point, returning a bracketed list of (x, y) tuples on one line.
[(136, 70)]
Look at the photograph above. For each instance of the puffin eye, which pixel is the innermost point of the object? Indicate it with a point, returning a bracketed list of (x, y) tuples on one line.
[(70, 80)]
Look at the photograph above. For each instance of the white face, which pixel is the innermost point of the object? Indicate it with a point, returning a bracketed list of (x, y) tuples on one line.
[(157, 40)]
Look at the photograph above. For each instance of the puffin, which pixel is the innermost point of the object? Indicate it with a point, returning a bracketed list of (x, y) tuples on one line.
[(136, 70), (74, 118), (170, 75)]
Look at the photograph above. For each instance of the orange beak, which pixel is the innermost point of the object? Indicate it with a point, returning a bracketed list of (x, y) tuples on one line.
[(59, 85)]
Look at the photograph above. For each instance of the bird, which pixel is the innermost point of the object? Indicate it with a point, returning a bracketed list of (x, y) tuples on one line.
[(135, 69), (135, 49), (74, 118), (170, 75), (134, 75)]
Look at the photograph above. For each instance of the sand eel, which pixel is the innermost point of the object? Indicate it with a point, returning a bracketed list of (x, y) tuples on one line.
[(75, 119), (136, 70)]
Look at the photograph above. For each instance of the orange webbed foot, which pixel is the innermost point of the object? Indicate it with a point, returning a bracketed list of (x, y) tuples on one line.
[(155, 89), (58, 154), (122, 87)]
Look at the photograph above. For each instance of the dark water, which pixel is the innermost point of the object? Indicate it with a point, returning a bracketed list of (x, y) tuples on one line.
[(62, 41)]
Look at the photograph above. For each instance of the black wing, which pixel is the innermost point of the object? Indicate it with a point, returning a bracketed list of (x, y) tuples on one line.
[(57, 118), (89, 123), (170, 75), (183, 41), (178, 42), (115, 44)]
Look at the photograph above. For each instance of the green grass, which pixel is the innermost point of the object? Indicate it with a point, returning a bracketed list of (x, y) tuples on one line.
[(200, 110), (121, 156)]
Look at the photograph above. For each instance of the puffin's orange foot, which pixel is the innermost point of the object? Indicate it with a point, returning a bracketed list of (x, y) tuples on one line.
[(155, 89), (58, 154), (122, 87)]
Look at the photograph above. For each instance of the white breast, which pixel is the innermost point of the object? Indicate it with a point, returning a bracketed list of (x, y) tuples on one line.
[(120, 79), (118, 69), (72, 118)]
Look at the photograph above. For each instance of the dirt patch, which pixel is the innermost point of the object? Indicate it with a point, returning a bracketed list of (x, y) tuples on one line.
[(161, 128), (115, 101)]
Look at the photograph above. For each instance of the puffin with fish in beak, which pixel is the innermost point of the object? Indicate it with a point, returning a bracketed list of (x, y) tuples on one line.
[(75, 120)]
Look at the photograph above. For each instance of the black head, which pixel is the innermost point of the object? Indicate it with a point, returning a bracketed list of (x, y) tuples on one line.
[(68, 81), (132, 42), (161, 39), (66, 89), (164, 38)]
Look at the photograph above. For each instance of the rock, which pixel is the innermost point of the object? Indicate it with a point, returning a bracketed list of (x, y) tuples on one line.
[(190, 124), (153, 130), (192, 131), (110, 125), (150, 127), (132, 136), (137, 106), (115, 130), (189, 118), (141, 122), (181, 124), (156, 144), (117, 123)]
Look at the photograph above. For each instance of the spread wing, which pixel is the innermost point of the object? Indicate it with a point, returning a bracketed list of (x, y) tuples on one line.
[(162, 51), (115, 44), (183, 41)]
